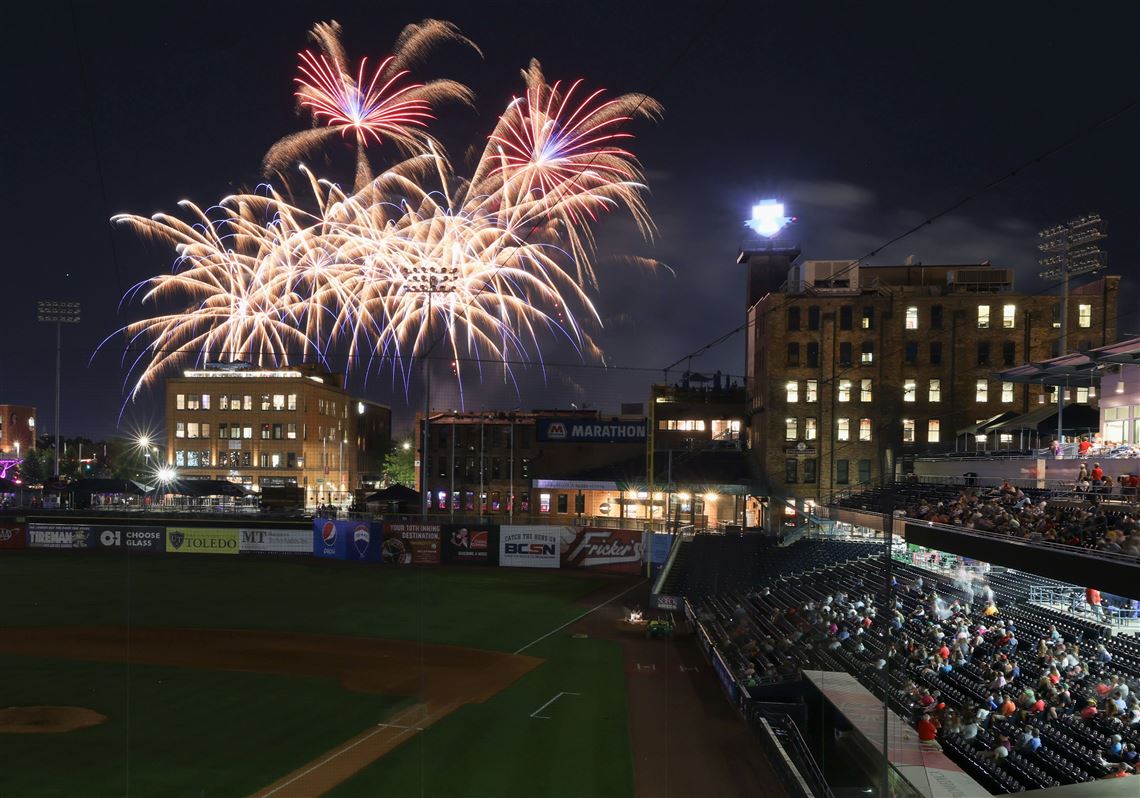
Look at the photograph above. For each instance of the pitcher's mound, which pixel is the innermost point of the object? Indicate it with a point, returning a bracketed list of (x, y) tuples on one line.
[(47, 720)]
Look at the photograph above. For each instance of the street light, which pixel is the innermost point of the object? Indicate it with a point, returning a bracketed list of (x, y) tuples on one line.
[(59, 313)]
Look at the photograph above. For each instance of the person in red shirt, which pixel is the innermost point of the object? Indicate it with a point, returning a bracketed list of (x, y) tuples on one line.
[(1097, 472), (927, 731), (1092, 596), (1083, 447), (1090, 711)]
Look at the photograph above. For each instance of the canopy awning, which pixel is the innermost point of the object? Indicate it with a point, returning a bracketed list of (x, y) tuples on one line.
[(1076, 419), (1076, 369), (985, 424)]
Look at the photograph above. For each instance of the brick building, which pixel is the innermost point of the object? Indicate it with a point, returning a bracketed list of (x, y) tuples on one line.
[(17, 429), (289, 427), (851, 369)]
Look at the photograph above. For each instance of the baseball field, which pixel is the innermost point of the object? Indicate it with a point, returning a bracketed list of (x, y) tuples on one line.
[(209, 676)]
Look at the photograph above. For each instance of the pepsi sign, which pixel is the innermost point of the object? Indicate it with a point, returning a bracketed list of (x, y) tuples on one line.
[(345, 539)]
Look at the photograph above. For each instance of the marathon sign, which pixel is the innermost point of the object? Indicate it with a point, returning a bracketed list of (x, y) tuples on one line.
[(571, 430), (611, 550), (136, 538)]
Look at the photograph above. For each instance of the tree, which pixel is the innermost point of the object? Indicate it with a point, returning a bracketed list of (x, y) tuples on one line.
[(36, 467), (400, 465)]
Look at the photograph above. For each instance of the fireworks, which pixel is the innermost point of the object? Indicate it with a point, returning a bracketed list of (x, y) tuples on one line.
[(413, 257), (384, 107)]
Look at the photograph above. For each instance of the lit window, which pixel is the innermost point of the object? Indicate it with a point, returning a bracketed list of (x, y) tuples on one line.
[(983, 317), (179, 429), (908, 430), (291, 431), (292, 401), (935, 392), (180, 401), (1008, 316), (912, 318), (865, 392), (864, 429), (843, 429), (811, 391), (791, 429), (246, 402), (192, 429), (809, 428), (981, 391), (910, 387), (544, 502), (278, 401), (868, 354), (1082, 396), (933, 430), (868, 318), (792, 391), (1006, 437), (1007, 391), (844, 391), (274, 461), (1084, 316)]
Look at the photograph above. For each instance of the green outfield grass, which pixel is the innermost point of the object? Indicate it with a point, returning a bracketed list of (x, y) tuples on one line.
[(209, 733), (172, 731)]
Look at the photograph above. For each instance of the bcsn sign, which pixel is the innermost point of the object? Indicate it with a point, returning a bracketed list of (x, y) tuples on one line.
[(571, 431)]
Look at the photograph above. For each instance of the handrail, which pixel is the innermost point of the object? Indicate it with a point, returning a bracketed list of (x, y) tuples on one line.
[(793, 780), (674, 547)]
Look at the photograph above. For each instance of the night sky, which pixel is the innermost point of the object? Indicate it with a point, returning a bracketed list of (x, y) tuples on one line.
[(864, 118)]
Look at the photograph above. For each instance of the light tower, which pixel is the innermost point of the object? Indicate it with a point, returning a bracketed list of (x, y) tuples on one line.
[(59, 313)]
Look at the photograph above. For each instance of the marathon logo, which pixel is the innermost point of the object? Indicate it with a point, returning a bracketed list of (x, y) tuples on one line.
[(556, 431), (615, 431)]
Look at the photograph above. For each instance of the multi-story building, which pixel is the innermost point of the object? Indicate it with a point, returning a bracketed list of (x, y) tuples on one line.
[(17, 429), (290, 427), (853, 369)]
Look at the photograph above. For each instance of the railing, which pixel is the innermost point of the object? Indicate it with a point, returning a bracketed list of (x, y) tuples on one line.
[(789, 754), (1113, 558)]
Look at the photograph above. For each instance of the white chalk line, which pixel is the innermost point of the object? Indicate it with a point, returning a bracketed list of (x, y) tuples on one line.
[(337, 753), (580, 617), (548, 703)]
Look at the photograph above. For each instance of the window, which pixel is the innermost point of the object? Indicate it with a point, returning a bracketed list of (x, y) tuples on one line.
[(277, 432), (793, 319), (933, 430), (278, 401), (810, 428), (910, 387), (912, 317), (983, 353), (1008, 316), (868, 319), (864, 471), (809, 471), (845, 353), (1057, 316), (908, 430), (981, 391), (845, 317), (935, 353), (179, 458), (192, 430), (563, 503), (791, 429), (813, 355), (841, 472), (864, 429), (793, 354), (936, 317), (843, 429), (844, 391), (983, 317), (193, 401), (1084, 316), (725, 429), (291, 402), (223, 430), (223, 402), (910, 353), (291, 431), (811, 391), (934, 392), (813, 317), (179, 429), (865, 392), (1009, 353), (790, 475), (868, 356), (1082, 396), (265, 401), (266, 431), (682, 424), (1007, 391), (792, 391), (290, 460), (180, 401), (246, 402), (247, 432)]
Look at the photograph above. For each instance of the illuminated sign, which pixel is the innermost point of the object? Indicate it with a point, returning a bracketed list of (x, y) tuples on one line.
[(242, 374), (571, 430), (768, 218)]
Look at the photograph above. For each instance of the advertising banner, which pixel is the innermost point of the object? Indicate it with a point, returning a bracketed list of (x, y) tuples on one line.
[(195, 540), (571, 430), (344, 539), (59, 536), (135, 538), (725, 675), (13, 535), (468, 545), (275, 541), (620, 551), (522, 546), (411, 544)]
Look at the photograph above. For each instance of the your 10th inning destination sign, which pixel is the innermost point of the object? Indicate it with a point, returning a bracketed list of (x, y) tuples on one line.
[(569, 430)]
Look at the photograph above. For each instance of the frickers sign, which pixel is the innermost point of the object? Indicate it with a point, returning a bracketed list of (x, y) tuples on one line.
[(195, 540), (573, 430), (59, 536), (610, 550), (13, 535), (134, 538), (411, 544)]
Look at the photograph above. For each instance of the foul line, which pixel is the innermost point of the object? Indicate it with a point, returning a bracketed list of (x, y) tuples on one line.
[(335, 754), (580, 617), (548, 703)]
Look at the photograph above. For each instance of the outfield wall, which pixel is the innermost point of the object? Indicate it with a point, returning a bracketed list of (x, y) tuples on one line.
[(402, 543)]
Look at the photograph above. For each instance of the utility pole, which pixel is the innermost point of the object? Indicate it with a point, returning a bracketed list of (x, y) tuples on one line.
[(1070, 250), (59, 313)]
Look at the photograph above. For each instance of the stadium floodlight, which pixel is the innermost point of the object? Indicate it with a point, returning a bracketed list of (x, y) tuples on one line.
[(768, 218), (58, 313)]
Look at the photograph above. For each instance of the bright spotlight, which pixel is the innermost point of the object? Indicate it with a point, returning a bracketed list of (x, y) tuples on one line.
[(768, 218), (166, 474)]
